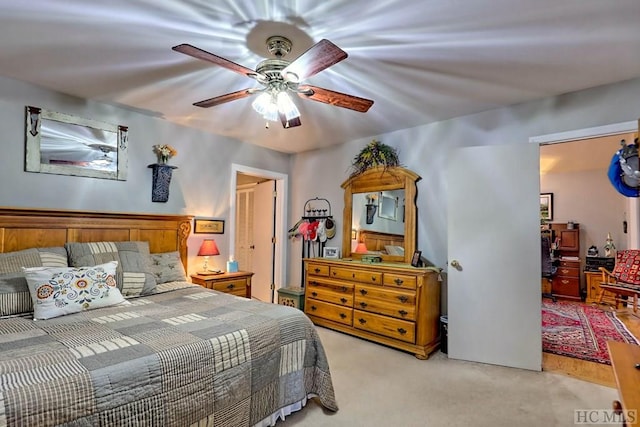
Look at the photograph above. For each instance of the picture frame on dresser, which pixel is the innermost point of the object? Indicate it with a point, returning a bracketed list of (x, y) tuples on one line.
[(415, 259), (331, 252)]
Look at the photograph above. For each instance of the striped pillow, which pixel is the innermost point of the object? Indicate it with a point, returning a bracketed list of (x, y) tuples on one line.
[(134, 274), (14, 292)]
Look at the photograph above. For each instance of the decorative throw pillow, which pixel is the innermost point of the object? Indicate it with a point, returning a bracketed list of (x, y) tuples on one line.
[(168, 267), (58, 291), (14, 292), (134, 276), (627, 267)]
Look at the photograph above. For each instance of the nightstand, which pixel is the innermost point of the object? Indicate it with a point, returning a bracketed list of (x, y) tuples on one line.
[(232, 283)]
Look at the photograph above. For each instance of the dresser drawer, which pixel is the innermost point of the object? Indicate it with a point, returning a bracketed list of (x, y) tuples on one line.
[(396, 296), (568, 271), (569, 286), (569, 264), (399, 281), (317, 269), (328, 311), (371, 277), (406, 312), (328, 295), (232, 286), (387, 326), (332, 285)]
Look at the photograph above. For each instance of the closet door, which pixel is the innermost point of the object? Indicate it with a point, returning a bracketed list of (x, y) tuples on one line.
[(244, 228)]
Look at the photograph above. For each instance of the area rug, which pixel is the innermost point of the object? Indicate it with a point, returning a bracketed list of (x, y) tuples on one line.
[(581, 331)]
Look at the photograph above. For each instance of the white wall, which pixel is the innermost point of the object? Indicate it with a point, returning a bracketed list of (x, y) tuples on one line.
[(200, 186)]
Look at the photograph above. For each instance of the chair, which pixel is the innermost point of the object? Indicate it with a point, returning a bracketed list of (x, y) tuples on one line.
[(548, 269), (624, 281)]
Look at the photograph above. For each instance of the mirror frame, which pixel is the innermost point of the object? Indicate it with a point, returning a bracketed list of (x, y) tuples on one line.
[(33, 123), (382, 179)]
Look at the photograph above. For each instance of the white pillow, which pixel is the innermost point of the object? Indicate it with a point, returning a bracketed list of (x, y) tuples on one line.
[(57, 291)]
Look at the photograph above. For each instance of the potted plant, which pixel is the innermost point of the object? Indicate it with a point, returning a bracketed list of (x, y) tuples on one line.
[(372, 155)]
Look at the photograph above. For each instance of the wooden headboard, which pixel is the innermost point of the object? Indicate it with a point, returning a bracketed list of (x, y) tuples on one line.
[(376, 240), (38, 228)]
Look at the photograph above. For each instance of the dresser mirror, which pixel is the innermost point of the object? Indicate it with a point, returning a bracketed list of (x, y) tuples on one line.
[(63, 144), (380, 211)]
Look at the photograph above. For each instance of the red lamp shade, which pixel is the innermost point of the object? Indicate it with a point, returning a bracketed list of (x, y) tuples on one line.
[(361, 248), (208, 248)]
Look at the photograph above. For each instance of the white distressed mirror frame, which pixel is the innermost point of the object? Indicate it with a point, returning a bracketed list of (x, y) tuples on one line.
[(33, 122)]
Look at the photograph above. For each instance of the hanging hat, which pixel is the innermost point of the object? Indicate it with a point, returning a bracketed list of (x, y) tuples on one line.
[(322, 231), (313, 230), (330, 228)]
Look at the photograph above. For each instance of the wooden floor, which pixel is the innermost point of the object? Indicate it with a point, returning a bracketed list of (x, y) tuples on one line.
[(590, 371)]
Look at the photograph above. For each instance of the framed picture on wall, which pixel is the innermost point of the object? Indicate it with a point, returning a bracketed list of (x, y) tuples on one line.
[(208, 226), (546, 206)]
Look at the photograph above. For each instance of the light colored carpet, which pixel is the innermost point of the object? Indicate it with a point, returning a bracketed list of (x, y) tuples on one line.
[(379, 386)]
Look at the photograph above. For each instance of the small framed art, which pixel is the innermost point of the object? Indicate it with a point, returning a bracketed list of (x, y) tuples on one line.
[(329, 252), (208, 226), (415, 259), (546, 206)]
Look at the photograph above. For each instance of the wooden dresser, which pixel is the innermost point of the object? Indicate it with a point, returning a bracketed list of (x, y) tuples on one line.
[(232, 283), (389, 303), (624, 358)]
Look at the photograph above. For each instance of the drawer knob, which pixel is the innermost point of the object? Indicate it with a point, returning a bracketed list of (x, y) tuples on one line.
[(343, 300), (344, 289), (334, 273), (314, 294), (353, 275), (403, 298), (402, 331), (231, 286), (362, 321), (398, 282), (317, 270), (564, 282), (313, 282), (342, 315), (314, 308), (363, 304), (373, 278), (403, 313), (363, 291)]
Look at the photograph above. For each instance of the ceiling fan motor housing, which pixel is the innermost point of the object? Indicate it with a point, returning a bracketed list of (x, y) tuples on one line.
[(278, 46)]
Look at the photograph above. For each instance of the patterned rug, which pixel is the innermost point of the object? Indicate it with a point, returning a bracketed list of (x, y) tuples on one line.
[(581, 331)]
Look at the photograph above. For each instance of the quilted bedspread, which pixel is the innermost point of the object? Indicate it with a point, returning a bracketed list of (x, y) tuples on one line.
[(176, 358)]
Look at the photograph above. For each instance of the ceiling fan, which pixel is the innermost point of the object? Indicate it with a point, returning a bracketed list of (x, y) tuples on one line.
[(280, 77)]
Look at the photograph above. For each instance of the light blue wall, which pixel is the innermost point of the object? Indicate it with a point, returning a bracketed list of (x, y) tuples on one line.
[(200, 186), (425, 150)]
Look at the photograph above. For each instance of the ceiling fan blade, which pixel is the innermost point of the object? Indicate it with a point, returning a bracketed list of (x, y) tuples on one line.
[(320, 56), (211, 102), (338, 99), (198, 53), (289, 123)]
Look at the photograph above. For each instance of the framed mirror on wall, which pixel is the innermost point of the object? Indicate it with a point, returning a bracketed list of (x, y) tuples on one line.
[(63, 144)]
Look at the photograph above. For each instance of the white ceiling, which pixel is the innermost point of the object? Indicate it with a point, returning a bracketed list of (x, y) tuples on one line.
[(420, 60)]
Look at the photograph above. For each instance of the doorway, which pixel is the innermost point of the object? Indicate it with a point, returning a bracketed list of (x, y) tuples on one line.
[(257, 227)]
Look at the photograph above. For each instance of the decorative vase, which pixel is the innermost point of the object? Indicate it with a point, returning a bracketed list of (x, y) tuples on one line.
[(161, 181), (371, 211)]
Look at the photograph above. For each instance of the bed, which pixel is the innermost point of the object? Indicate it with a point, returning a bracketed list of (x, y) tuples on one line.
[(177, 355)]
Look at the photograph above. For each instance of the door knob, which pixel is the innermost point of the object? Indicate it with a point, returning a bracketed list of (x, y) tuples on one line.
[(455, 264)]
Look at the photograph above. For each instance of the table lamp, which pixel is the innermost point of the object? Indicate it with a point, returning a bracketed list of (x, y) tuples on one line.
[(207, 249), (361, 248)]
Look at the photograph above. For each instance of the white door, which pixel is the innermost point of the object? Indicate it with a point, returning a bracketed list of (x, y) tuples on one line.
[(263, 249), (494, 295), (244, 228)]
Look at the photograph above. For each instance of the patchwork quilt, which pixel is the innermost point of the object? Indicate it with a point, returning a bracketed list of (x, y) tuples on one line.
[(176, 358)]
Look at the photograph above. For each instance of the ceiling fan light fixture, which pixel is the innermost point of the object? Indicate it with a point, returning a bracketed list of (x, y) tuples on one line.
[(286, 106)]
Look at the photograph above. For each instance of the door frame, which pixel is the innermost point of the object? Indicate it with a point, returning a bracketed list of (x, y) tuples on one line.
[(281, 214), (633, 204)]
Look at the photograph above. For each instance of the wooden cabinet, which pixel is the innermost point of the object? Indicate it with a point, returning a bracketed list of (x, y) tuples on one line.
[(566, 282), (593, 280), (624, 357), (392, 304), (569, 240), (232, 283)]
